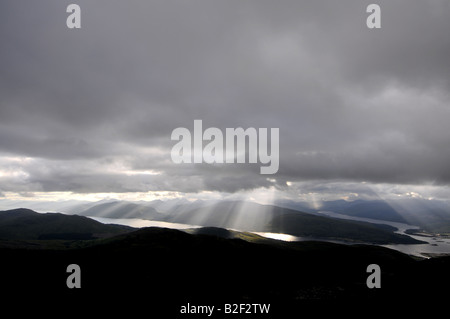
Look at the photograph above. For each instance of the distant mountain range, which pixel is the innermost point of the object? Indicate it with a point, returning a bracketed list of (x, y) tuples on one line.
[(288, 217), (122, 209), (238, 215), (430, 215)]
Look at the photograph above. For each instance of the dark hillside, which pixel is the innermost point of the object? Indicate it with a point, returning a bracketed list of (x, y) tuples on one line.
[(162, 269), (26, 224)]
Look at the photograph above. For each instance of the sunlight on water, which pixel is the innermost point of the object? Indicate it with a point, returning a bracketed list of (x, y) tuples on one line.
[(278, 236), (138, 223), (435, 245)]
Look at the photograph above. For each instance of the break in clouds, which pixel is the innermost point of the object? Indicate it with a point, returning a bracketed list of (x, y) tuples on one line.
[(92, 110)]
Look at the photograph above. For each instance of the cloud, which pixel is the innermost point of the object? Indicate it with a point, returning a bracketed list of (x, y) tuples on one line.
[(88, 106)]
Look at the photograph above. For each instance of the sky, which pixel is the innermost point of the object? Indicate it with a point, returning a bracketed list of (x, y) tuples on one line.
[(89, 112)]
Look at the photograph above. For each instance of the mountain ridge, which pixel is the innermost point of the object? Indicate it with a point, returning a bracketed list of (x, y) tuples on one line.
[(239, 215), (248, 216), (165, 268), (26, 224)]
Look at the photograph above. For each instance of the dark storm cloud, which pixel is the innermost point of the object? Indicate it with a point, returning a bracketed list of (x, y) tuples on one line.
[(351, 103)]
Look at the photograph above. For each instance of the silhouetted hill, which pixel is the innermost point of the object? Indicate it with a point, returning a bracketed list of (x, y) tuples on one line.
[(233, 234), (213, 231), (26, 224), (161, 269)]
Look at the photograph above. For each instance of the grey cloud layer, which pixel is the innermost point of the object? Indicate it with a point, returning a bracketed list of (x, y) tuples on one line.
[(351, 103)]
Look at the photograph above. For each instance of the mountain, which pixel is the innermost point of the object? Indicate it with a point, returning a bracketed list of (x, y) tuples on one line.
[(176, 204), (431, 215), (160, 270), (122, 209), (248, 216), (374, 209), (25, 224), (233, 234), (66, 206), (239, 215)]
